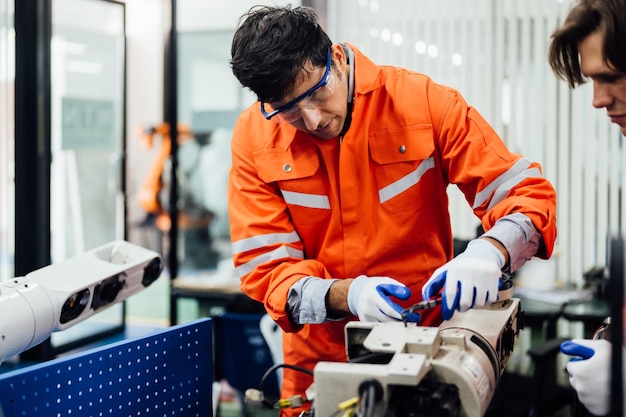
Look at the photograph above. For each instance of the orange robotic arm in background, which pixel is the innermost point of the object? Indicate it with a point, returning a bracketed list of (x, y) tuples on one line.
[(148, 194), (193, 218)]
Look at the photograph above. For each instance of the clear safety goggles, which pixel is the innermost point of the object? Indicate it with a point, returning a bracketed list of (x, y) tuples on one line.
[(314, 96)]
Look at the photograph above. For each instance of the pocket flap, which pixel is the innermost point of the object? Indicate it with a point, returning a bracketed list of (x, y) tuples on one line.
[(407, 144), (295, 162)]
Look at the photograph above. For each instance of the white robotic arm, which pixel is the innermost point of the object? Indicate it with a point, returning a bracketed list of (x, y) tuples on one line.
[(62, 295)]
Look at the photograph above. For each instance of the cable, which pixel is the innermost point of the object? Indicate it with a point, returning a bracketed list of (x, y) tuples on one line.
[(374, 358), (286, 402), (346, 408), (273, 369), (371, 392), (368, 401)]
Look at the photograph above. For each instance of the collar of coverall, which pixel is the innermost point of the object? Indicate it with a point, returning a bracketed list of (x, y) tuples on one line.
[(350, 59)]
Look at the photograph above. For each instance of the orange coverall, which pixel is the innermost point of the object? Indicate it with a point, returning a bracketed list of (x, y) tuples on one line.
[(373, 202)]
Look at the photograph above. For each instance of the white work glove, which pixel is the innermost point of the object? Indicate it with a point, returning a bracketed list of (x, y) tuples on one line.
[(469, 280), (369, 298), (590, 372)]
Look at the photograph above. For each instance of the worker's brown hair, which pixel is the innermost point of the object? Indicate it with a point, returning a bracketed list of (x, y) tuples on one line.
[(585, 17)]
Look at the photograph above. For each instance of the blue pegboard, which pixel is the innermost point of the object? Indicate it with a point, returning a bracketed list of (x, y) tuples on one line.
[(169, 373)]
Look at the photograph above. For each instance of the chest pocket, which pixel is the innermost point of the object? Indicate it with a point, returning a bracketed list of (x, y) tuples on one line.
[(401, 160), (296, 171)]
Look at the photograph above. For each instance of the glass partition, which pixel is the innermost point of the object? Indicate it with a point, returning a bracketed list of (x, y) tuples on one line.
[(7, 138), (88, 137), (209, 99)]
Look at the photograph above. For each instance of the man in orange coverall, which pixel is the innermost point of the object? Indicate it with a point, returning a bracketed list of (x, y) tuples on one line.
[(337, 191)]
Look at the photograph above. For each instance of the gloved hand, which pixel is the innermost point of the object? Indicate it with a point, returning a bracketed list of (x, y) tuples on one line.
[(469, 280), (369, 298), (590, 372)]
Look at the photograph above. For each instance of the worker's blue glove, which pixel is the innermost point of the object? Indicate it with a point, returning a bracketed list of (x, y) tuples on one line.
[(589, 372), (469, 280), (369, 298)]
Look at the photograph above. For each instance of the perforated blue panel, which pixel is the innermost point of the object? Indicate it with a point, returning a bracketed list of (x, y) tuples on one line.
[(165, 374)]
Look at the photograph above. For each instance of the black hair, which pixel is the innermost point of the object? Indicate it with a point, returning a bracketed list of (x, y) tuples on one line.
[(271, 47)]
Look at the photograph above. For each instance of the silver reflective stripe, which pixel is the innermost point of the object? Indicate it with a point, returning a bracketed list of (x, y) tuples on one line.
[(503, 190), (505, 178), (405, 182), (278, 253), (306, 200), (261, 241)]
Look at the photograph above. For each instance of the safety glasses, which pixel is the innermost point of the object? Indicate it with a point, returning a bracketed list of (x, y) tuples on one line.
[(291, 112)]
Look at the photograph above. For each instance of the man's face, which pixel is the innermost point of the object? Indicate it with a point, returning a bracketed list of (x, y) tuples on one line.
[(325, 113), (609, 84)]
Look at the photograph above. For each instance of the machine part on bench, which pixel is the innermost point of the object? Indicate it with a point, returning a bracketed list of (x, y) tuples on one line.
[(452, 370)]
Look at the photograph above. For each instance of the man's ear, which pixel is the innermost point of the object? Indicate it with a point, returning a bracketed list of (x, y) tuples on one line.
[(338, 55)]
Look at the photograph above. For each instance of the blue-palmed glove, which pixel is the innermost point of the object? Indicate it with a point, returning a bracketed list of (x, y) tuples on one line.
[(369, 298), (590, 372), (469, 280)]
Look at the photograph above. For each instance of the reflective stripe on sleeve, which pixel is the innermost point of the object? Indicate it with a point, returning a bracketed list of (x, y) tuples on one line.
[(261, 241), (306, 200), (278, 253), (405, 182), (503, 190), (501, 186)]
